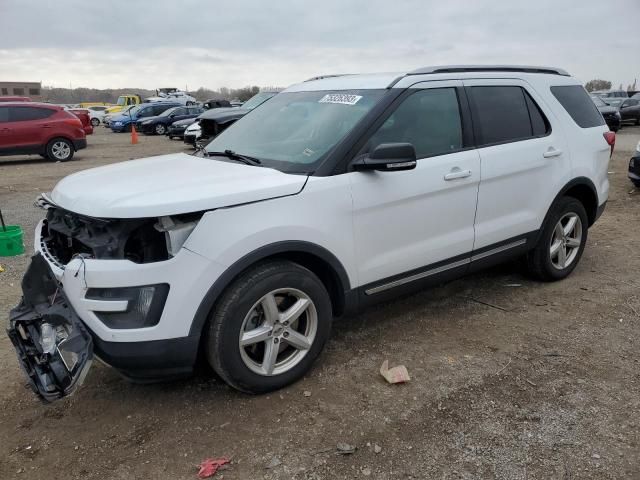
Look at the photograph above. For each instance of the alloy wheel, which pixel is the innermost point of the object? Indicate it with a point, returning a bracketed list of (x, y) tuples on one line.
[(61, 150), (566, 240), (278, 331), (160, 129)]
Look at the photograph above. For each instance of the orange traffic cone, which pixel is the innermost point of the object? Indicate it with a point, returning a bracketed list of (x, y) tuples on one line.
[(134, 135)]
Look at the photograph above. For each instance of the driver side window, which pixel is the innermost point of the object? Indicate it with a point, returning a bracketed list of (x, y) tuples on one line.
[(428, 119)]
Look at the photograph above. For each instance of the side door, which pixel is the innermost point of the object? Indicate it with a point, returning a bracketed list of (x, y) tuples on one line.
[(630, 109), (5, 129), (411, 225), (29, 126), (524, 160), (180, 113)]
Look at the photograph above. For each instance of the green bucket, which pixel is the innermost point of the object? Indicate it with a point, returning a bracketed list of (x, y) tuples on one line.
[(11, 241)]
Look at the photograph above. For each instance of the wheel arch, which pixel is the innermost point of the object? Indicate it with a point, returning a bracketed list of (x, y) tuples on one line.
[(583, 190), (318, 259)]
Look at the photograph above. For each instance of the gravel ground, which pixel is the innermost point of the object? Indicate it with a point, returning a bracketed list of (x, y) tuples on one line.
[(545, 384)]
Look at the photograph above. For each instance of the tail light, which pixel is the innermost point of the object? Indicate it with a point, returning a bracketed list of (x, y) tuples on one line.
[(610, 137), (74, 122)]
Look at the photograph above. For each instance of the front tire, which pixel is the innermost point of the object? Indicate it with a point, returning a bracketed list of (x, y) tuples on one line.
[(160, 129), (562, 241), (269, 327), (95, 122), (60, 150)]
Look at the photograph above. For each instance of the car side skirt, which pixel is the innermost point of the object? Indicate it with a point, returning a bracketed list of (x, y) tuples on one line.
[(444, 271)]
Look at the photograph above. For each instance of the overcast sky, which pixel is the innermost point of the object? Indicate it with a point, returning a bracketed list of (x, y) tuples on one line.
[(160, 43)]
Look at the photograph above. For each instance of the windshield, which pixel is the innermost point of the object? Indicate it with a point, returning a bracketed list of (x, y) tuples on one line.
[(598, 101), (133, 110), (121, 101), (257, 99), (293, 132), (168, 112), (615, 102)]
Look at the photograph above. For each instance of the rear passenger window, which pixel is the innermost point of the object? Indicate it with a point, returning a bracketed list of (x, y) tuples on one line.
[(428, 119), (24, 114), (576, 101), (504, 114), (4, 114)]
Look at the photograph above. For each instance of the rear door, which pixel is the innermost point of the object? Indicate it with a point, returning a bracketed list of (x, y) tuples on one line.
[(523, 158)]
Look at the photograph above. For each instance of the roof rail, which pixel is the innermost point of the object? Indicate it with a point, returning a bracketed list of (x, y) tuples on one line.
[(489, 68), (320, 77)]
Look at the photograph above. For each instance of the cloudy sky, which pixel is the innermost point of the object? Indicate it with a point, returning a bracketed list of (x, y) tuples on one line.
[(194, 43)]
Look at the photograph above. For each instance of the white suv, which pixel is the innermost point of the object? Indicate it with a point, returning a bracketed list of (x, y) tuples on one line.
[(339, 192)]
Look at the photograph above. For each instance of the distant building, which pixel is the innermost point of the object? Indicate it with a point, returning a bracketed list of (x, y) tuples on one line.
[(23, 89)]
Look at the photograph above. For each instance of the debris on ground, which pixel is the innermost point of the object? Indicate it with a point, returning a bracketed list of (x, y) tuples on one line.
[(210, 466), (307, 393), (273, 463), (397, 374), (345, 449), (366, 471), (377, 448)]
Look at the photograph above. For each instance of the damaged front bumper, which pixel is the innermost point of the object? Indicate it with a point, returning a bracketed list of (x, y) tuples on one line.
[(54, 348)]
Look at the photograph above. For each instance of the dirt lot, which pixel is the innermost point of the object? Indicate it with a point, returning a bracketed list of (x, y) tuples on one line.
[(544, 384)]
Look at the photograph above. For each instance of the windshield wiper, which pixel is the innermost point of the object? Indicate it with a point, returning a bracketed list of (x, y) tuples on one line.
[(236, 156)]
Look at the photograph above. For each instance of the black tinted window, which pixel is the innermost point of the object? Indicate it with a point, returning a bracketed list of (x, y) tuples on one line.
[(501, 114), (428, 119), (577, 103), (4, 114), (539, 123), (23, 114)]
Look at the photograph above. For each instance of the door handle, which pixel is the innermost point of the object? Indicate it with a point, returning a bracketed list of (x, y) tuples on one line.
[(456, 173), (552, 152)]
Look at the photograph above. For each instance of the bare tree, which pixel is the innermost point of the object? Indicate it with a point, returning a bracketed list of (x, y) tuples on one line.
[(597, 84)]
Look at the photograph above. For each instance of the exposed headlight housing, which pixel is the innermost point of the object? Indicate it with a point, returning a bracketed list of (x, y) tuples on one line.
[(176, 232)]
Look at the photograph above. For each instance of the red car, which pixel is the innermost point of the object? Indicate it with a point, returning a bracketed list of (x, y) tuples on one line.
[(83, 115), (40, 128), (15, 99)]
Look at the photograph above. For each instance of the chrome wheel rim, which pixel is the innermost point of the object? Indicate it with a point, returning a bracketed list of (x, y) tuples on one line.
[(278, 331), (61, 150), (159, 129), (565, 241)]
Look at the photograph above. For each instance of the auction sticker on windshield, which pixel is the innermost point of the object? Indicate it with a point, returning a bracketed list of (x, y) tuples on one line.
[(341, 98)]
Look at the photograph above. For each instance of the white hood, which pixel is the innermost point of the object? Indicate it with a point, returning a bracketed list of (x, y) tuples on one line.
[(169, 185)]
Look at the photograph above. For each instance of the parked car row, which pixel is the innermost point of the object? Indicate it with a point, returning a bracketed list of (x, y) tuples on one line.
[(617, 110), (209, 123)]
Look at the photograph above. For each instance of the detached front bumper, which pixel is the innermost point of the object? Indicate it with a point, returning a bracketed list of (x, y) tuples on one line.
[(54, 348)]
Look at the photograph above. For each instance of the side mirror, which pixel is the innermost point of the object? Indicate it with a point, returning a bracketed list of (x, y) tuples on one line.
[(389, 157)]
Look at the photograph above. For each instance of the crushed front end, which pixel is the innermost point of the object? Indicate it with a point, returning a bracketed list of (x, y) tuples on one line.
[(114, 289), (54, 348)]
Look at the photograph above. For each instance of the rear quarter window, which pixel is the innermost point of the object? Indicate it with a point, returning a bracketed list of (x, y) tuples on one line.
[(575, 100)]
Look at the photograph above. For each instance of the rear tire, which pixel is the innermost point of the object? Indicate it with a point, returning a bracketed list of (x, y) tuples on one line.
[(562, 241), (60, 150), (282, 313), (636, 183), (160, 129), (95, 122)]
